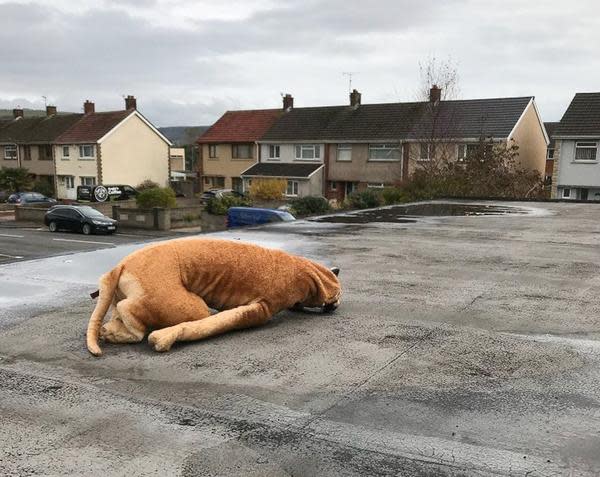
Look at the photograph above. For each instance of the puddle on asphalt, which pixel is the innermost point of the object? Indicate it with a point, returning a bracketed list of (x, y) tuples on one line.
[(402, 214)]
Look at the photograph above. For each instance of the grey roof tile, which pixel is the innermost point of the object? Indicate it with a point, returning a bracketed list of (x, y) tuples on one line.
[(582, 117)]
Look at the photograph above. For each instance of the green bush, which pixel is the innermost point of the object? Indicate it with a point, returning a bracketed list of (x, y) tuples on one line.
[(156, 197), (366, 199), (220, 205), (309, 205), (147, 184), (43, 187), (394, 195)]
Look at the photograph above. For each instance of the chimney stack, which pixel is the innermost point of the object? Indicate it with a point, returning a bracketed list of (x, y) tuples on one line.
[(89, 107), (18, 113), (288, 102), (355, 99), (435, 94), (130, 102), (50, 110)]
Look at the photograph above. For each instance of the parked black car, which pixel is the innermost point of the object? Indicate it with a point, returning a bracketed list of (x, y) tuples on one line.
[(78, 218), (23, 198), (102, 193)]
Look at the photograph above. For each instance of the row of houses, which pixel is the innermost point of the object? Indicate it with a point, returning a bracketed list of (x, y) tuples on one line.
[(335, 150), (72, 149)]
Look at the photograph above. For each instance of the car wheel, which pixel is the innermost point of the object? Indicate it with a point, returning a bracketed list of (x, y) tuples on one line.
[(86, 229), (52, 227)]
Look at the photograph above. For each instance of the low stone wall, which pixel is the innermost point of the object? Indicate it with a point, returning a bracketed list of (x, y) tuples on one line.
[(155, 219), (30, 214), (186, 216)]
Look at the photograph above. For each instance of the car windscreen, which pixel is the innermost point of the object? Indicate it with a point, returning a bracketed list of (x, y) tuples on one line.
[(90, 212), (286, 216)]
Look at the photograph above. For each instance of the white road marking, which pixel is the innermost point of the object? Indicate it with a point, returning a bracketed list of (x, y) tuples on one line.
[(83, 241), (13, 236), (10, 256)]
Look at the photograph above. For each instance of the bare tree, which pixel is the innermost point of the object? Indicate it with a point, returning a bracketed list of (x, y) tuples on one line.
[(443, 74)]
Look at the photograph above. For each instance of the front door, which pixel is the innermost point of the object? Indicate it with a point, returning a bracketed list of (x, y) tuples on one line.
[(237, 184), (584, 194)]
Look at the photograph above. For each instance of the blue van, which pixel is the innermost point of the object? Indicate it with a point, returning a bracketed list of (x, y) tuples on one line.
[(241, 216)]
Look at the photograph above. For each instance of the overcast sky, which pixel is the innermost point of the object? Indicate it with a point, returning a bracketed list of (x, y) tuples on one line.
[(187, 61)]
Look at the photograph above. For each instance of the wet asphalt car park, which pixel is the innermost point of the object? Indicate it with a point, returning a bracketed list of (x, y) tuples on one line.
[(464, 345)]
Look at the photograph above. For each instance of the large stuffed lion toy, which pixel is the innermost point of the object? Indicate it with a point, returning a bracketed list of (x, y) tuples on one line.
[(170, 287)]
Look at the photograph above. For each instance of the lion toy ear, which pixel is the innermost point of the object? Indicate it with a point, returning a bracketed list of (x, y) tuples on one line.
[(335, 270)]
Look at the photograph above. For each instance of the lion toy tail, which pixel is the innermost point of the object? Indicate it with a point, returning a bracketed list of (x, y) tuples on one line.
[(108, 286)]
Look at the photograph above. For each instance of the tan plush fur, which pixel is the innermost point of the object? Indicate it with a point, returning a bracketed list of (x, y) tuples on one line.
[(170, 286)]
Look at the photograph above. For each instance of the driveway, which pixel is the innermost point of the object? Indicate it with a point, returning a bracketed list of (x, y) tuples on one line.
[(463, 346)]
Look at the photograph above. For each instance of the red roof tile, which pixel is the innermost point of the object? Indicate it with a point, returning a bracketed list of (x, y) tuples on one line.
[(92, 127), (241, 126)]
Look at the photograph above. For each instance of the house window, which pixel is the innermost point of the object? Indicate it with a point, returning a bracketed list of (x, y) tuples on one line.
[(350, 188), (292, 188), (384, 152), (333, 186), (375, 185), (344, 152), (308, 151), (66, 152), (550, 154), (467, 150), (27, 153), (566, 193), (427, 152), (274, 152), (214, 182), (241, 151), (68, 181), (586, 151), (212, 151), (87, 151), (10, 152), (88, 181), (45, 152)]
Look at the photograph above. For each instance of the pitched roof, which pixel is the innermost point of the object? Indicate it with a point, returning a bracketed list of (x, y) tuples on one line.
[(473, 118), (40, 130), (240, 126), (282, 169), (550, 129), (582, 117), (93, 126)]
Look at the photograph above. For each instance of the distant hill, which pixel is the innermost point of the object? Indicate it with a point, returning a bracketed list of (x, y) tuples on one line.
[(183, 135)]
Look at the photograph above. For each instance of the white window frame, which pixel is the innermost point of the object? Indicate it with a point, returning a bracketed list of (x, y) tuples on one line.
[(429, 149), (12, 148), (385, 147), (87, 181), (465, 154), (548, 156), (82, 152), (274, 152), (344, 148), (67, 156), (375, 185), (313, 149), (586, 145), (212, 151), (68, 182), (566, 193), (295, 187)]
